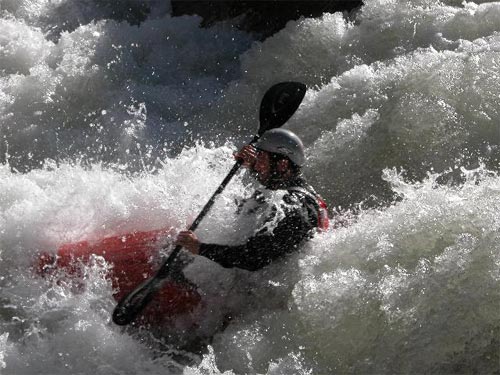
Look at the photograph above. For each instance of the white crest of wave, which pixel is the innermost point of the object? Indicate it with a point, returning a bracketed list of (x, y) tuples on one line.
[(410, 289)]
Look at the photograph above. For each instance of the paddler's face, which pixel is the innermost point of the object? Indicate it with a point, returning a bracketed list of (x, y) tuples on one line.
[(262, 166)]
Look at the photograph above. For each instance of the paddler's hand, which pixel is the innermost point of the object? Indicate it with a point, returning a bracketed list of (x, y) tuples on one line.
[(188, 240), (248, 155)]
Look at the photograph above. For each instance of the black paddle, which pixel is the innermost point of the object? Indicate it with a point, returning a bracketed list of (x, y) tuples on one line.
[(278, 104)]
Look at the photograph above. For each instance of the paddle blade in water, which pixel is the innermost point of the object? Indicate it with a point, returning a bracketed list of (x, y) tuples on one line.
[(132, 304)]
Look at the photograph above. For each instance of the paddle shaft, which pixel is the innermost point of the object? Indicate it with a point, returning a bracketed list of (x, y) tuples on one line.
[(132, 304), (164, 269)]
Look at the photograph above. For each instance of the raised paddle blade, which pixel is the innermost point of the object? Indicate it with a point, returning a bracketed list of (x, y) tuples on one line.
[(279, 104)]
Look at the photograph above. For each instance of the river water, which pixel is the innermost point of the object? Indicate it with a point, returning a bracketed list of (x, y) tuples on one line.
[(107, 127)]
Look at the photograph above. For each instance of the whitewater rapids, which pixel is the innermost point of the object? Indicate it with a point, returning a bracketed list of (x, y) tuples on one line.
[(107, 127)]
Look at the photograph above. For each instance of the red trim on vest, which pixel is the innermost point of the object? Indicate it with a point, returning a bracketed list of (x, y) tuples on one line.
[(323, 220)]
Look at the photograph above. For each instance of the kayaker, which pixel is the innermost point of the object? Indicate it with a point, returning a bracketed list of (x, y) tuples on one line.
[(276, 162)]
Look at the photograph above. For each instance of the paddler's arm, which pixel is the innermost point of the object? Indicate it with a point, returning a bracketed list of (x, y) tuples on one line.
[(259, 250)]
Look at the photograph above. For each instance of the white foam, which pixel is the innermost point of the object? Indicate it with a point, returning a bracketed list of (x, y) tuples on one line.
[(403, 275)]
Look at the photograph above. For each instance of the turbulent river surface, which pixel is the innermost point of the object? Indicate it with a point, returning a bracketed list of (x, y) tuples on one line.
[(108, 127)]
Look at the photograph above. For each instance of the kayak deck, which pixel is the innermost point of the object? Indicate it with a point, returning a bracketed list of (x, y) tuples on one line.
[(133, 259)]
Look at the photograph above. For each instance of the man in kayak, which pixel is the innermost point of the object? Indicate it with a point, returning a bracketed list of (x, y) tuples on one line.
[(276, 162)]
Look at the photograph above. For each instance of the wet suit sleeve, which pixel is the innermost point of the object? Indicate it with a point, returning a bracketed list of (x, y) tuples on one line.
[(266, 245)]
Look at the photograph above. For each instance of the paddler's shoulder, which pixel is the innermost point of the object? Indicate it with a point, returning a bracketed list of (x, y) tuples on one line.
[(299, 190)]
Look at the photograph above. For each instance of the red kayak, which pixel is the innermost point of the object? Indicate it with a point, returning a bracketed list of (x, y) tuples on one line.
[(132, 258)]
